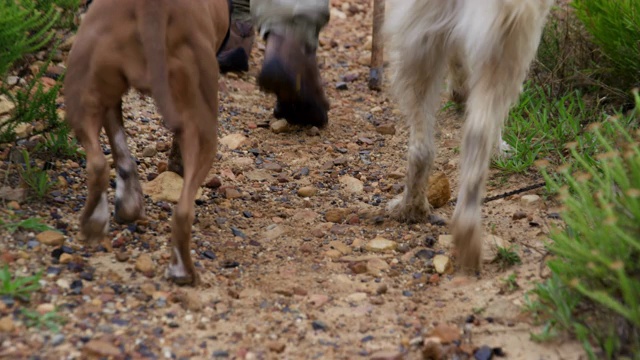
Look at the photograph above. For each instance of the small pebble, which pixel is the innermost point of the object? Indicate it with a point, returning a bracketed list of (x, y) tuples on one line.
[(319, 325)]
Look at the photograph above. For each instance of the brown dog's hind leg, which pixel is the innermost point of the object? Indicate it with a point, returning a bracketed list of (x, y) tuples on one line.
[(198, 144), (198, 152), (94, 221), (175, 157), (129, 199)]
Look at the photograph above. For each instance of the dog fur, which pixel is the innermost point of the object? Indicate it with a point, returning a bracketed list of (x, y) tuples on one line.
[(488, 46), (165, 48)]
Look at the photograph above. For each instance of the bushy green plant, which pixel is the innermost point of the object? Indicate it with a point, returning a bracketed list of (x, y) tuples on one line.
[(23, 29), (66, 9), (566, 56), (26, 26), (615, 27), (595, 289), (33, 103)]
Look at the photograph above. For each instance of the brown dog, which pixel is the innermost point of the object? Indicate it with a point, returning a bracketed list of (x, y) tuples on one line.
[(165, 48)]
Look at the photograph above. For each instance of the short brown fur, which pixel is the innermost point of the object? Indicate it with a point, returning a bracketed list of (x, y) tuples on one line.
[(159, 47)]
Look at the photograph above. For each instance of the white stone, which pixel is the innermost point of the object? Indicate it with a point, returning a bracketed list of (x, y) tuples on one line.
[(381, 244)]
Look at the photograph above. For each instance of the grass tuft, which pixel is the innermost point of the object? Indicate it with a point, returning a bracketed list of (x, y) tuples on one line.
[(507, 257), (18, 287)]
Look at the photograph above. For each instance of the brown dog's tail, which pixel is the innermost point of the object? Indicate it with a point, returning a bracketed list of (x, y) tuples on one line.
[(153, 33)]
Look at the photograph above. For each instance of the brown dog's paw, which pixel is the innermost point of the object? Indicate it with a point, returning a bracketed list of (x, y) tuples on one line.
[(180, 276), (190, 280), (93, 231), (128, 211), (184, 280)]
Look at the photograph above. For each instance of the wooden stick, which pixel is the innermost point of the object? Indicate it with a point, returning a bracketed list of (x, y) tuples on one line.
[(377, 52)]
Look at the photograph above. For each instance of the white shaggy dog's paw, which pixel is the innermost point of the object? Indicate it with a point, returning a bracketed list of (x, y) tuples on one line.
[(409, 210), (503, 150)]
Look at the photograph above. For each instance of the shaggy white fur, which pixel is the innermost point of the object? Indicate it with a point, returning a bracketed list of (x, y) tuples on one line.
[(488, 46)]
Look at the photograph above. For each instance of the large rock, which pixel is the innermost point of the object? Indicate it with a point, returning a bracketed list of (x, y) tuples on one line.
[(234, 141), (190, 300), (145, 265), (279, 126), (380, 244), (258, 175), (335, 215), (23, 130), (10, 194), (439, 191), (6, 106), (377, 266), (307, 191), (274, 232), (102, 348), (386, 129), (6, 325), (50, 238), (442, 264), (351, 184), (530, 199), (490, 246), (166, 187)]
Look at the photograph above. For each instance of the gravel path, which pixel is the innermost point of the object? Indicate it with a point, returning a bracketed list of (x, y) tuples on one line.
[(297, 258)]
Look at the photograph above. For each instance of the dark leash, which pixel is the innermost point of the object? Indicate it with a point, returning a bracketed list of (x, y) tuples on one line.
[(507, 194), (514, 192)]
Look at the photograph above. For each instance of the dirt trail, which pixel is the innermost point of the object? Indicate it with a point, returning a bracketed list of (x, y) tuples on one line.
[(279, 279)]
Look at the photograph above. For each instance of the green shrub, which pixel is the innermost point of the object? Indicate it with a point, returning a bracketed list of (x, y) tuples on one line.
[(566, 56), (594, 292), (615, 27), (591, 46), (33, 103), (23, 29), (66, 9)]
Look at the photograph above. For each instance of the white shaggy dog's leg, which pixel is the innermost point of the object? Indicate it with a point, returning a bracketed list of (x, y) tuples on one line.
[(457, 86), (417, 84), (501, 48), (489, 45)]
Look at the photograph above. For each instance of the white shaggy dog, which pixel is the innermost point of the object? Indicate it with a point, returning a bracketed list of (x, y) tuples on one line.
[(489, 46)]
